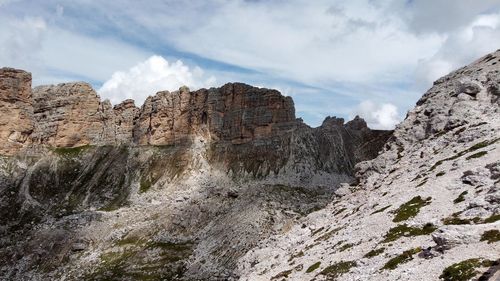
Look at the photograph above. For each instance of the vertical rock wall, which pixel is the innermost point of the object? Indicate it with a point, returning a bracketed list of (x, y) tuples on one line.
[(16, 111)]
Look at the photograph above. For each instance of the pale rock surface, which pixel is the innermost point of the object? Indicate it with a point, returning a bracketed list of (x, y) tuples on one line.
[(446, 151)]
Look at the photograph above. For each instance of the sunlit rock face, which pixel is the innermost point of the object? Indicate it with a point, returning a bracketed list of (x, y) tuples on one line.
[(16, 111)]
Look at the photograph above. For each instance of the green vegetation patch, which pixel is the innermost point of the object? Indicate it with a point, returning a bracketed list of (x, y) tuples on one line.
[(165, 261), (283, 274), (492, 218), (491, 236), (405, 257), (473, 148), (145, 185), (381, 209), (455, 220), (70, 151), (328, 234), (477, 155), (411, 208), (374, 253), (332, 272), (464, 270), (345, 247), (460, 197), (130, 240), (404, 230), (317, 231), (297, 255), (440, 174), (458, 221), (313, 267)]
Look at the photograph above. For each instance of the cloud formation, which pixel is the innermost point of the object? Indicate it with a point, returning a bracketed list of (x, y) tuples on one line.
[(378, 116), (153, 75), (330, 54)]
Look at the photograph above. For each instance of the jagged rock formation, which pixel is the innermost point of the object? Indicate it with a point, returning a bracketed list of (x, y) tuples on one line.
[(102, 192), (72, 115), (426, 208)]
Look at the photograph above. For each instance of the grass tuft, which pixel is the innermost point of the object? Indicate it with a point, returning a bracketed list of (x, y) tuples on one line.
[(411, 208), (404, 230), (491, 236), (374, 253), (381, 209), (313, 267), (460, 197), (332, 272), (405, 257), (464, 270)]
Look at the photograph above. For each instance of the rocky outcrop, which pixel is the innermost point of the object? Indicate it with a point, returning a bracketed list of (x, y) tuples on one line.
[(73, 115), (235, 112), (16, 111), (68, 115)]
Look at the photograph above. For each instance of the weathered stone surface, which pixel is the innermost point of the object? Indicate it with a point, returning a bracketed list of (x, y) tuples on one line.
[(235, 112), (67, 115), (72, 115), (16, 112), (447, 151)]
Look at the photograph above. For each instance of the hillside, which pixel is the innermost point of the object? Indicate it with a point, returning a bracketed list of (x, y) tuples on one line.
[(427, 208)]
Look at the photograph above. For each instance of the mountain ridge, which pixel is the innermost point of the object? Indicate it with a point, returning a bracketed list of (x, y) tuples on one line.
[(337, 202)]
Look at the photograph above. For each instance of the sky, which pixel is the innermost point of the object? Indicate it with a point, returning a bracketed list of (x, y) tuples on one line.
[(334, 58)]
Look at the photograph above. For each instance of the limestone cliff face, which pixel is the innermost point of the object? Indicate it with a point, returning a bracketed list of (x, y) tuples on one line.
[(235, 112), (73, 115), (67, 115), (16, 111)]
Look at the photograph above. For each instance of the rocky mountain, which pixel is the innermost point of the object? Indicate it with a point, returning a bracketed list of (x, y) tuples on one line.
[(226, 184), (426, 208), (180, 188)]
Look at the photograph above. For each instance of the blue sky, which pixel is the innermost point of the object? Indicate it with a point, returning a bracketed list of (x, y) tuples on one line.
[(342, 58)]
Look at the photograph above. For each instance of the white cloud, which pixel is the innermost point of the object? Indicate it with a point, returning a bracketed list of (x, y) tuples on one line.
[(378, 116), (355, 42), (20, 39), (54, 55), (153, 75), (389, 51), (461, 47), (442, 16)]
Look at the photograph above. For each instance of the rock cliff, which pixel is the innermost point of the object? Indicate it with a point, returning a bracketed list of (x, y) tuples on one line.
[(73, 115), (16, 122)]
